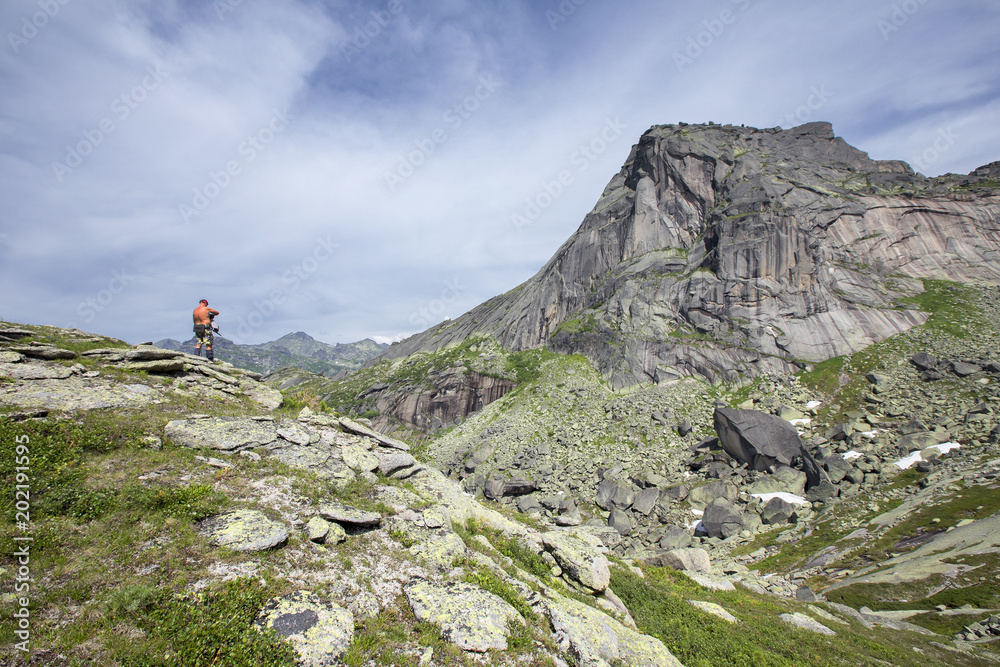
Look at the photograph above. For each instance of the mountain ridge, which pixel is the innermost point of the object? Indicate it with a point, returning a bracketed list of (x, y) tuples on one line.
[(297, 349)]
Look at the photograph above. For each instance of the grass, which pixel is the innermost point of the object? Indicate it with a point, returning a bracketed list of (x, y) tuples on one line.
[(659, 604)]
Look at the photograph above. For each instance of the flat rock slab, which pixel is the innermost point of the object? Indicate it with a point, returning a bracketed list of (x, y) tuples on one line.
[(222, 433), (714, 610), (20, 371), (691, 559), (45, 352), (579, 559), (392, 463), (469, 617), (151, 353), (384, 440), (359, 459), (161, 366), (76, 394), (440, 549), (244, 530), (597, 639), (346, 514), (319, 631), (806, 622), (9, 357)]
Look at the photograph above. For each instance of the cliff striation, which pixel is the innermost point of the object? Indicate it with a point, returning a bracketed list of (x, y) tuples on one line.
[(722, 251)]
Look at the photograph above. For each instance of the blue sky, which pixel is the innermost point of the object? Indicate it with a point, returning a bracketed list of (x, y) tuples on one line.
[(357, 170)]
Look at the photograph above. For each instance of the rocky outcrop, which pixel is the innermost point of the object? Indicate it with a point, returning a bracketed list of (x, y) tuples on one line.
[(720, 250)]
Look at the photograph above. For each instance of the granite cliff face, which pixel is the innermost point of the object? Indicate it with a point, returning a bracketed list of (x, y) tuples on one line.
[(719, 251)]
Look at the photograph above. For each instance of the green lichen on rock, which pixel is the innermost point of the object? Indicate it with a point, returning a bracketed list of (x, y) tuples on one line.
[(244, 530), (319, 631), (469, 617)]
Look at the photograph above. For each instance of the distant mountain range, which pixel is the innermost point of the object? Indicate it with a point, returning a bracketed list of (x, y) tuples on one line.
[(295, 349)]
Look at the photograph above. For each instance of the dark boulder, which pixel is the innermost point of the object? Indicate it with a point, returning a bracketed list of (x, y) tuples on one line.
[(721, 519)]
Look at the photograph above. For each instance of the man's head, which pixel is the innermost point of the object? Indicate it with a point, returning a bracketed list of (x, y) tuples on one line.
[(204, 302)]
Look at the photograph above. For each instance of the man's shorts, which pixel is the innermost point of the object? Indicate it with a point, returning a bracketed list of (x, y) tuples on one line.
[(204, 334)]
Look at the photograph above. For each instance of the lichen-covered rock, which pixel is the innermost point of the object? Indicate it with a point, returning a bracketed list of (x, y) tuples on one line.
[(581, 561), (345, 514), (687, 560), (21, 371), (597, 640), (360, 429), (244, 530), (319, 631), (440, 549), (389, 464), (805, 622), (359, 459), (469, 617), (714, 610), (222, 433)]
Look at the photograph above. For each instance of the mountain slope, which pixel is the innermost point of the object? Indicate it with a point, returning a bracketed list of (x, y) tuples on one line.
[(721, 251)]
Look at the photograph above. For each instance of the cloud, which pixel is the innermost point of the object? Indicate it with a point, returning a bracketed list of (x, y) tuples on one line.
[(212, 150)]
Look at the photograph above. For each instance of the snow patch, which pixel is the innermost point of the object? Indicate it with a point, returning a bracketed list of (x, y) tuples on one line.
[(851, 455), (787, 497)]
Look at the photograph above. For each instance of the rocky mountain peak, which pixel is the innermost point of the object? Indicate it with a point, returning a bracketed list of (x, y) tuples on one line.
[(298, 335), (720, 250)]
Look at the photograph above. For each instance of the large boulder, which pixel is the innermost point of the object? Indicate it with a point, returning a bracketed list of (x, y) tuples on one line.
[(757, 438), (319, 631), (764, 442), (721, 519), (469, 617), (581, 561)]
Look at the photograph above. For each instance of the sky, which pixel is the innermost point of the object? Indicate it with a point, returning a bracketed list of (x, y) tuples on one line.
[(366, 169)]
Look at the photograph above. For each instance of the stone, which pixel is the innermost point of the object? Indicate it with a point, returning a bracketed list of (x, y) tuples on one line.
[(22, 371), (776, 511), (317, 529), (164, 366), (782, 480), (721, 519), (758, 439), (675, 538), (702, 496), (714, 609), (345, 514), (806, 622), (620, 521), (469, 617), (149, 353), (964, 370), (686, 560), (244, 530), (45, 352), (646, 500), (389, 464), (597, 639), (580, 560), (923, 361), (352, 426), (294, 433), (320, 631), (837, 467), (221, 433), (359, 459)]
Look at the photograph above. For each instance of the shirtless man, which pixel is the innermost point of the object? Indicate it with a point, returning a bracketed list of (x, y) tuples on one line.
[(203, 328)]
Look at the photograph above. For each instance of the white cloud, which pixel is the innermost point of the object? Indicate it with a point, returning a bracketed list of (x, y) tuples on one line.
[(272, 191)]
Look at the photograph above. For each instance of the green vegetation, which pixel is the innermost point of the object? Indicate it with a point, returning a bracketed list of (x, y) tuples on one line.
[(952, 307), (660, 605), (215, 627)]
